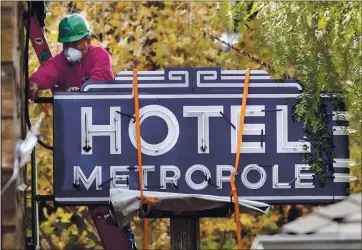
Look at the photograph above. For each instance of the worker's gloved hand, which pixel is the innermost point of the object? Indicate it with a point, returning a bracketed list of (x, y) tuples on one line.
[(73, 89), (33, 91)]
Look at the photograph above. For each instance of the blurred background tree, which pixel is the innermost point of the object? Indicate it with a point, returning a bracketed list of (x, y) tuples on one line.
[(154, 35)]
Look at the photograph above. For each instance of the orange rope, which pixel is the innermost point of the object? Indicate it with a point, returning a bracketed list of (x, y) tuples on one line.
[(145, 233), (240, 140), (144, 199)]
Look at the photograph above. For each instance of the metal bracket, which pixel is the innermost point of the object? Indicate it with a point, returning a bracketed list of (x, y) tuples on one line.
[(209, 181), (175, 185), (145, 208), (44, 198), (328, 177), (270, 110), (152, 186), (111, 179), (127, 115), (264, 166), (227, 119), (43, 100), (239, 172), (106, 182), (292, 181)]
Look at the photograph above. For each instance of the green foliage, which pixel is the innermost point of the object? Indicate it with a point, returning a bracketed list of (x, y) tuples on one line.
[(319, 44), (236, 16), (227, 12)]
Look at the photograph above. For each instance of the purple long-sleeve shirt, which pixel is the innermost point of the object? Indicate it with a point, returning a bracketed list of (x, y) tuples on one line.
[(56, 71)]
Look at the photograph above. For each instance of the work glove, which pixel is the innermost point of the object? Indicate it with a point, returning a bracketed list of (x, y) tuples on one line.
[(73, 89), (33, 90)]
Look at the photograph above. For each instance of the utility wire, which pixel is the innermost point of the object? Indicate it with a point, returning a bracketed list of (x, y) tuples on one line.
[(242, 52)]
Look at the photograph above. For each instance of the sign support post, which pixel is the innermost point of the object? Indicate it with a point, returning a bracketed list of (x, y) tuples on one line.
[(185, 233)]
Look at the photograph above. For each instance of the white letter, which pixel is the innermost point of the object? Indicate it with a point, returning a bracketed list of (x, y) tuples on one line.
[(246, 182), (190, 171), (88, 130), (305, 176), (222, 178), (173, 130), (117, 177), (249, 129), (87, 182), (145, 169), (169, 179), (276, 183), (203, 113), (283, 145)]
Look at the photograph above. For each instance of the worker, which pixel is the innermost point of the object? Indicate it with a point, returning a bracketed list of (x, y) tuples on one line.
[(78, 63)]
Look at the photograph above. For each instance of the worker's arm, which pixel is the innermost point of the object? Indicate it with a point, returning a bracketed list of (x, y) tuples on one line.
[(45, 77), (101, 70)]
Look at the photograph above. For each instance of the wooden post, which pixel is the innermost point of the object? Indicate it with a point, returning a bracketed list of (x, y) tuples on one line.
[(185, 233)]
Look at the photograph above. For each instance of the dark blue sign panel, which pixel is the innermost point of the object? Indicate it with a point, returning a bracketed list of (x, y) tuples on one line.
[(189, 125)]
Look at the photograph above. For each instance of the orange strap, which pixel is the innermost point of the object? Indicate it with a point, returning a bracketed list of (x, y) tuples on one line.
[(234, 192), (144, 199)]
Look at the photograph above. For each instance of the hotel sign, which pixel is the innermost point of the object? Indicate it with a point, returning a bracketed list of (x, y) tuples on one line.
[(189, 121)]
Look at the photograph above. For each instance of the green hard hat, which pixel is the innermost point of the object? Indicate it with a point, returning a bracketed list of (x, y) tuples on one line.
[(73, 28)]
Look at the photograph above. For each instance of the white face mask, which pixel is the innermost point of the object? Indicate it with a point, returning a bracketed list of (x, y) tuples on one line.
[(72, 55)]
